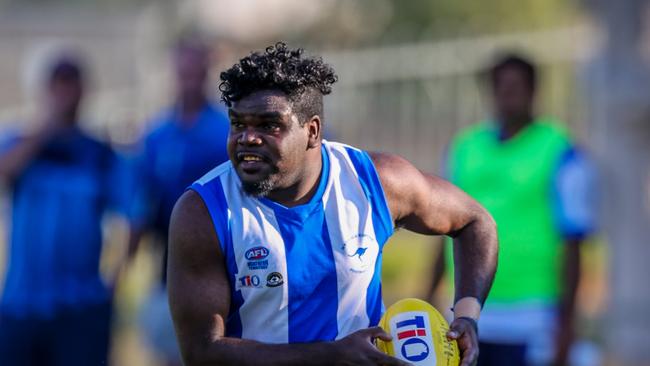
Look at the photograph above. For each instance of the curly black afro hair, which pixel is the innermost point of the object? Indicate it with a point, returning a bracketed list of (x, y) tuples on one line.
[(303, 79)]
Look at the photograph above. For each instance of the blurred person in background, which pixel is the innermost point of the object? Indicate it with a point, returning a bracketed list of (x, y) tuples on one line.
[(530, 176), (55, 308), (189, 139)]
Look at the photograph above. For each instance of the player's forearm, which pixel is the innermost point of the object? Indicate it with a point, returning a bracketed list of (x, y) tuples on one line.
[(242, 352), (475, 257), (571, 275)]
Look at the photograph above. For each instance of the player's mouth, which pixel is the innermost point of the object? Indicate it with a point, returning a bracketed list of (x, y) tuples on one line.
[(251, 162)]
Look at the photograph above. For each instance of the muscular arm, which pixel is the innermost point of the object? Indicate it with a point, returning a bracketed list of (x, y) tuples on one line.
[(199, 297), (432, 206)]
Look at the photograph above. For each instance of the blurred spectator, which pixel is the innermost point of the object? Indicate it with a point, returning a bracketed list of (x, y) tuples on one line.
[(55, 308), (539, 187), (189, 139)]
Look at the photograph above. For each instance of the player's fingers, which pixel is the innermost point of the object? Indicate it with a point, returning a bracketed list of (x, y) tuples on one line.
[(464, 334), (453, 334), (470, 356), (456, 329), (378, 332)]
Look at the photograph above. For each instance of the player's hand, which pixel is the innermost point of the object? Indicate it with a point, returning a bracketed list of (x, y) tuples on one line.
[(462, 330), (359, 349)]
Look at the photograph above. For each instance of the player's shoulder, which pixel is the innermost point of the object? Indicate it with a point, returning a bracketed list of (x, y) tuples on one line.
[(160, 125), (190, 217), (331, 146), (551, 127), (91, 144), (481, 129), (214, 175), (379, 159), (192, 237), (217, 111)]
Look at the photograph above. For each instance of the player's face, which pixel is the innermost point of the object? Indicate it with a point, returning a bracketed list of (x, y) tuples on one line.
[(266, 145), (64, 94), (191, 71), (513, 95)]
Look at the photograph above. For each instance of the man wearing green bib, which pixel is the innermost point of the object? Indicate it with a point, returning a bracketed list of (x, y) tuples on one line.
[(538, 187)]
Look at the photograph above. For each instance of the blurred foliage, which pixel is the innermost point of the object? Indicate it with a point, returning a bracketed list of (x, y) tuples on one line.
[(93, 4), (395, 21), (354, 23), (445, 17)]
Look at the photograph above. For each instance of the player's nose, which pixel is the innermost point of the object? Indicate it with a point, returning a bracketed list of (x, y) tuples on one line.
[(249, 137)]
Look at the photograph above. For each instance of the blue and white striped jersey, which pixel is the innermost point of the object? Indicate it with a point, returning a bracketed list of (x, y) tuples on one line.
[(306, 273)]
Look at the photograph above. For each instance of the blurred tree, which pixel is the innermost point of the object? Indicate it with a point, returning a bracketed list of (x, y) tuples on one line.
[(452, 17), (422, 19), (354, 23)]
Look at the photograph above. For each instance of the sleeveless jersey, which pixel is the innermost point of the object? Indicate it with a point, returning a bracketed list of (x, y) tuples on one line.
[(306, 273), (513, 180)]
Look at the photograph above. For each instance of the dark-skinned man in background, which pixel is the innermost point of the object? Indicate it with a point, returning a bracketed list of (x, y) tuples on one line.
[(525, 170), (188, 140), (55, 307), (275, 256)]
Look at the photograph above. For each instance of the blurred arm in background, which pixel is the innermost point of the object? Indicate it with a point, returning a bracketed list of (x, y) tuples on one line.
[(574, 197), (437, 273), (16, 153)]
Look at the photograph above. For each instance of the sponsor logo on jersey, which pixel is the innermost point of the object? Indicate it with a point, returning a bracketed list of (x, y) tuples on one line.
[(253, 265), (249, 281), (412, 338), (274, 279)]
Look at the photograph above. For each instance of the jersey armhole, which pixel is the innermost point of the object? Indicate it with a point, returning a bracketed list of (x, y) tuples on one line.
[(215, 202), (369, 179)]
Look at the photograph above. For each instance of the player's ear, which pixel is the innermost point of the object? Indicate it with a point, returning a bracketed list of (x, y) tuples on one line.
[(314, 131)]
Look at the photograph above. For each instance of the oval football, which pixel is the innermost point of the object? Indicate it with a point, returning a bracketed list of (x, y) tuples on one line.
[(419, 334)]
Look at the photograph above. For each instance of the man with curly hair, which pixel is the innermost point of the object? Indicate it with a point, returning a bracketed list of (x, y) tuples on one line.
[(275, 256)]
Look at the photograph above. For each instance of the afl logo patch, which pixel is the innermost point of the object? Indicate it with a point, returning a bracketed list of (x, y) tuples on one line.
[(257, 253), (274, 279)]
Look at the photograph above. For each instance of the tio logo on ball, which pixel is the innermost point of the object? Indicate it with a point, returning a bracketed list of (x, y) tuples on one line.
[(412, 338)]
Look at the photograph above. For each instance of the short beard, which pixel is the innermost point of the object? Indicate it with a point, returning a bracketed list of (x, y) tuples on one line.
[(259, 189)]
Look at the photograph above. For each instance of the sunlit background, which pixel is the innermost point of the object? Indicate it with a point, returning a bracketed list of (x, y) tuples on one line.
[(409, 79)]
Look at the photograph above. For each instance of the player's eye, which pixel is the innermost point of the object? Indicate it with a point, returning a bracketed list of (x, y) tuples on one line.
[(270, 126), (236, 125)]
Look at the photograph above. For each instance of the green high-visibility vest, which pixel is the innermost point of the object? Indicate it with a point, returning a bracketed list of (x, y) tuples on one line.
[(513, 180)]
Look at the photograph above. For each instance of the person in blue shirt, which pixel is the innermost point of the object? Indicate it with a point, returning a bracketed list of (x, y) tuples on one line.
[(55, 309), (189, 139)]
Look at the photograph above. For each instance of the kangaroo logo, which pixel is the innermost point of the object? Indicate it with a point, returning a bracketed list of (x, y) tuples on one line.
[(362, 250), (359, 252)]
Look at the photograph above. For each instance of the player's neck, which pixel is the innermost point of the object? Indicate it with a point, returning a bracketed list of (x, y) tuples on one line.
[(512, 126), (189, 108), (304, 189)]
